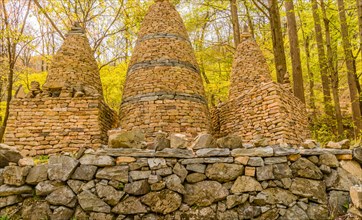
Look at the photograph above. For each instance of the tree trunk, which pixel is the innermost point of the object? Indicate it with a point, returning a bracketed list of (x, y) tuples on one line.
[(359, 10), (235, 22), (333, 71), (250, 19), (298, 86), (322, 60), (278, 42), (356, 111)]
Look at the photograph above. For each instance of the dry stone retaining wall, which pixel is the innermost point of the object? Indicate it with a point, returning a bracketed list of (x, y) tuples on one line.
[(209, 183), (53, 125)]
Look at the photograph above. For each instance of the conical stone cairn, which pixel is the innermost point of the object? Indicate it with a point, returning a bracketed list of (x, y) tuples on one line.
[(74, 65), (163, 89)]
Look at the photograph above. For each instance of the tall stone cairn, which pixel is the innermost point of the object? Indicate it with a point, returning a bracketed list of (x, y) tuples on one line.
[(258, 106), (163, 89), (74, 64), (249, 67)]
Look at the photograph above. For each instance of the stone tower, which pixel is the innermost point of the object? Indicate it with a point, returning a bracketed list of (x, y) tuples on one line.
[(73, 66), (257, 106), (163, 89), (70, 112)]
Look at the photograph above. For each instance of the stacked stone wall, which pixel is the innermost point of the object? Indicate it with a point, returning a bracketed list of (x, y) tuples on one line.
[(208, 183), (267, 110), (52, 125)]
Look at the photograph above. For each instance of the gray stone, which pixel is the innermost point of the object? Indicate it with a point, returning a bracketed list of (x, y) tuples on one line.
[(208, 160), (173, 182), (196, 167), (101, 216), (164, 202), (84, 172), (47, 187), (62, 213), (180, 171), (274, 196), (175, 153), (310, 144), (269, 214), (230, 142), (344, 180), (325, 169), (109, 194), (139, 175), (156, 163), (61, 167), (337, 202), (204, 141), (212, 152), (6, 190), (331, 179), (26, 161), (357, 154), (295, 212), (247, 211), (115, 173), (282, 170), (319, 151), (253, 152), (75, 185), (312, 189), (90, 202), (80, 214), (204, 193), (255, 162), (235, 200), (199, 213), (245, 184), (37, 174), (8, 155), (195, 177), (158, 186), (89, 185), (137, 188), (130, 206), (223, 172), (304, 168), (317, 212), (284, 151), (274, 160), (265, 173), (97, 160), (140, 163), (164, 171), (14, 175), (129, 152), (287, 182), (178, 141), (328, 160), (126, 139), (154, 179), (227, 215), (9, 200), (63, 196), (161, 142), (314, 159), (35, 210)]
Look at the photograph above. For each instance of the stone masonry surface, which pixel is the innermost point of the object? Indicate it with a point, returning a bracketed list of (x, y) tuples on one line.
[(70, 112), (257, 105), (263, 183), (163, 89)]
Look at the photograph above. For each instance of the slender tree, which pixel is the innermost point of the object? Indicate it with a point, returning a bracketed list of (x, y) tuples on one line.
[(351, 75), (298, 86), (359, 11), (333, 70), (235, 22), (322, 60)]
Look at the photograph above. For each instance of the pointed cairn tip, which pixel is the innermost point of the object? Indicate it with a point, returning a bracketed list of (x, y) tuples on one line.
[(245, 34)]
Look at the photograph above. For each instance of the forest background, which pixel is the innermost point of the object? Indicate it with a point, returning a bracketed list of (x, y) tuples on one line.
[(315, 45)]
